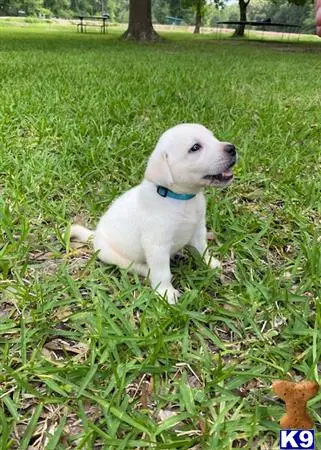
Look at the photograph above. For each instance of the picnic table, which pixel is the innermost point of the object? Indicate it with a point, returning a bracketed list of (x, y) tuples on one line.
[(259, 23), (86, 21)]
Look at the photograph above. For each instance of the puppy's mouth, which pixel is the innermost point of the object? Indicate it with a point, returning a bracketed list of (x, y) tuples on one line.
[(222, 178)]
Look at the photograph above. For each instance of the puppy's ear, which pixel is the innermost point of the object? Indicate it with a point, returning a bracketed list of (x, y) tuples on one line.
[(158, 170)]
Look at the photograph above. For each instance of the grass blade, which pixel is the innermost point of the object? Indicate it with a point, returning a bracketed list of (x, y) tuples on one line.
[(53, 441), (31, 427)]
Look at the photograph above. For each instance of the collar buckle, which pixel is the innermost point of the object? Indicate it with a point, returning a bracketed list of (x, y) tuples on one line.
[(162, 191)]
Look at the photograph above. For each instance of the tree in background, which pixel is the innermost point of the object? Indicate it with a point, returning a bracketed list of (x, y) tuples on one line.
[(31, 7), (199, 7), (283, 12), (239, 31), (300, 12), (318, 17), (289, 11), (213, 15), (175, 7), (9, 7), (199, 13), (59, 8), (140, 27), (160, 10), (118, 10), (163, 9)]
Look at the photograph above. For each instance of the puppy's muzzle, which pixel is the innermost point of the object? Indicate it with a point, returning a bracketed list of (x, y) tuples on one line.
[(231, 151), (226, 176)]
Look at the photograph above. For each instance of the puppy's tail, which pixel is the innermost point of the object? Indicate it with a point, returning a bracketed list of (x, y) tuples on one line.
[(80, 233)]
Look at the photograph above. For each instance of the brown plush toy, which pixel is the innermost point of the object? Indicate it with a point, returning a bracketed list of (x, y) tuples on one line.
[(295, 396)]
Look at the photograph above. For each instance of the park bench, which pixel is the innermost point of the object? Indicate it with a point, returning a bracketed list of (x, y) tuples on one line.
[(89, 21), (263, 24)]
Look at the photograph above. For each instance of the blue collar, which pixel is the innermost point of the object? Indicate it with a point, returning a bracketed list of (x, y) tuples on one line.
[(165, 192)]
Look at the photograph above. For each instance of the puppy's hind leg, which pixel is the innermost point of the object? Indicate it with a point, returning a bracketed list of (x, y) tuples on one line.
[(80, 233), (110, 255)]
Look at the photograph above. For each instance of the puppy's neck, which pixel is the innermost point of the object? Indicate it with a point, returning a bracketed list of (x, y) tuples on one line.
[(176, 187), (184, 190), (173, 187)]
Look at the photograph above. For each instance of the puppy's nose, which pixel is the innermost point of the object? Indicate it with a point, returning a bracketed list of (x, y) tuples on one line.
[(230, 149)]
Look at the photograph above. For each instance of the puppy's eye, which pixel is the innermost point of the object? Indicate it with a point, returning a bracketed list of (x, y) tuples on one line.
[(195, 148)]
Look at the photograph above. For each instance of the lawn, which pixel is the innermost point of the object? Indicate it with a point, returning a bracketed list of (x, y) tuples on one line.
[(90, 357)]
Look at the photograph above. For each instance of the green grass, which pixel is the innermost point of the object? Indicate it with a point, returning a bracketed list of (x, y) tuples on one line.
[(90, 356)]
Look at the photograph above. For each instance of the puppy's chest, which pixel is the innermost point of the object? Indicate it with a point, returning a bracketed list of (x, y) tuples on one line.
[(184, 226)]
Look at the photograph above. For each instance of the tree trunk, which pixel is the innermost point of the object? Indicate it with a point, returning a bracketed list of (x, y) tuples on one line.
[(140, 27), (239, 31), (198, 17), (318, 16)]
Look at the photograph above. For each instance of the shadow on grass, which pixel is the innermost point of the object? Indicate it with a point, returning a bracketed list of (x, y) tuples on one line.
[(69, 41), (278, 44), (57, 41)]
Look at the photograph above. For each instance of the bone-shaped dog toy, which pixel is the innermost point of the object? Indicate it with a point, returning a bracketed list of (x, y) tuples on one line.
[(295, 396)]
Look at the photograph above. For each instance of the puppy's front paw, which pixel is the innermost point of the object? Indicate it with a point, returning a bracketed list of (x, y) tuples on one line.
[(171, 294), (211, 261), (214, 263)]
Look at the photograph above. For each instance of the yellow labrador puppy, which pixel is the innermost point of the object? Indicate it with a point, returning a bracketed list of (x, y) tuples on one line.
[(151, 222)]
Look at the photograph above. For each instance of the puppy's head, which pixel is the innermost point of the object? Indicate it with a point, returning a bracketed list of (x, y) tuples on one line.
[(188, 157)]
